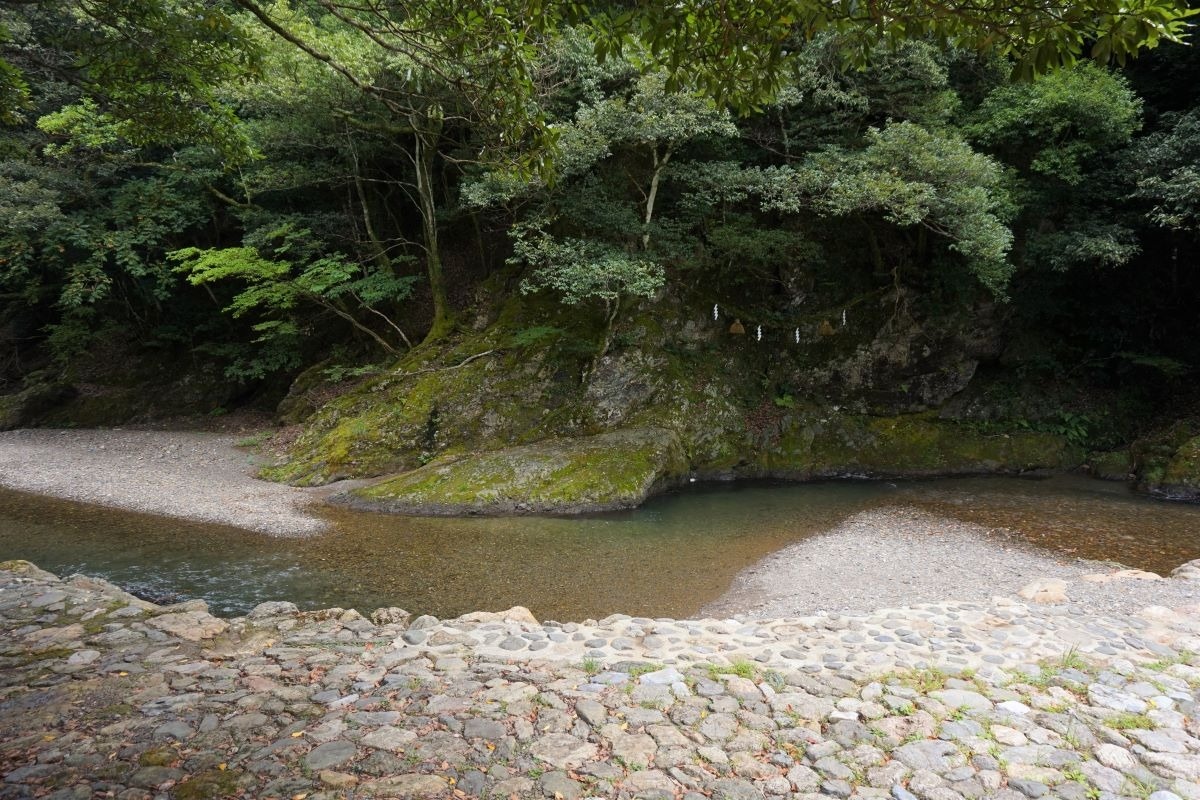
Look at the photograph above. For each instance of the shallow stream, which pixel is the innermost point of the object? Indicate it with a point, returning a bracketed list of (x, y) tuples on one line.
[(667, 558)]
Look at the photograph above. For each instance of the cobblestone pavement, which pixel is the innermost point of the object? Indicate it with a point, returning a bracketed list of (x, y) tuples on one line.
[(105, 695)]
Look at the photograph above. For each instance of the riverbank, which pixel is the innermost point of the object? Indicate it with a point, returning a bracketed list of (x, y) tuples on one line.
[(187, 475), (888, 554), (900, 556), (102, 694)]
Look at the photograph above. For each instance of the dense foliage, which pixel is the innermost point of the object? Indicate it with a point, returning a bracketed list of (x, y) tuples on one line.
[(263, 184)]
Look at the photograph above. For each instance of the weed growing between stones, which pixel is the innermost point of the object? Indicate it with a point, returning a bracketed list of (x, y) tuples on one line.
[(1185, 657), (1128, 721)]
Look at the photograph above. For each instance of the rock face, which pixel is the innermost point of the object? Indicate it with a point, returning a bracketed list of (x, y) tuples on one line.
[(912, 445), (22, 408), (595, 473), (499, 421)]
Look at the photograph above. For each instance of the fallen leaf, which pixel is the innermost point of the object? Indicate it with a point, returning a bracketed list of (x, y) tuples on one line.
[(297, 734)]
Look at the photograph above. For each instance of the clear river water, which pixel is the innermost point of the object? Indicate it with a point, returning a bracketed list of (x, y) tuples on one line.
[(668, 558)]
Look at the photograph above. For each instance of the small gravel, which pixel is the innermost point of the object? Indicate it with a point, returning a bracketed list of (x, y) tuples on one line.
[(197, 476), (900, 556)]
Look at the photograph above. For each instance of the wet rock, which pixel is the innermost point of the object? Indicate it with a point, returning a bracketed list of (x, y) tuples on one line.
[(273, 608)]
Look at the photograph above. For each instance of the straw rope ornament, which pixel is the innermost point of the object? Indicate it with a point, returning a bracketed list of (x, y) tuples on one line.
[(736, 328)]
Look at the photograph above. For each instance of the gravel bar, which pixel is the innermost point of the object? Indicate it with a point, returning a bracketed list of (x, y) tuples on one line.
[(189, 475), (899, 556)]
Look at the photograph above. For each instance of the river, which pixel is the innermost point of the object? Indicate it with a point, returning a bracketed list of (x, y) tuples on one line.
[(668, 558)]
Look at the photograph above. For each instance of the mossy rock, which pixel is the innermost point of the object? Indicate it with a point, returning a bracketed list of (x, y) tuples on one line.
[(211, 784), (301, 400), (21, 567), (465, 392), (608, 471), (907, 446), (25, 407), (1114, 465), (1167, 463)]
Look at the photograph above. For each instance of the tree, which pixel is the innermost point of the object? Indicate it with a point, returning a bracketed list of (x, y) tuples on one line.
[(1169, 172), (151, 69), (741, 52), (437, 69), (1063, 134), (912, 177), (296, 271)]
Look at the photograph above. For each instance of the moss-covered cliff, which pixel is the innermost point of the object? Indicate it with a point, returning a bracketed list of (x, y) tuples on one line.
[(539, 411)]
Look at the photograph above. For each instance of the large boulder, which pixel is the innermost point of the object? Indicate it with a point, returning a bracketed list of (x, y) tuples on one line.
[(614, 470), (1167, 463)]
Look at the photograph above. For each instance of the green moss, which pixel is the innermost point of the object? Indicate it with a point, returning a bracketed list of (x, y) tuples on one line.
[(459, 392), (1184, 466), (207, 785), (467, 434), (158, 757), (50, 654), (1167, 462), (1113, 465), (612, 470), (907, 446), (110, 407), (20, 566), (29, 405)]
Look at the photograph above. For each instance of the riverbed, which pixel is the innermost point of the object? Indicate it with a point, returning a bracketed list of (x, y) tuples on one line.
[(675, 556)]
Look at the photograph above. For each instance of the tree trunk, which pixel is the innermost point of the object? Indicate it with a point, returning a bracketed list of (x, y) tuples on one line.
[(428, 131), (659, 165), (378, 251)]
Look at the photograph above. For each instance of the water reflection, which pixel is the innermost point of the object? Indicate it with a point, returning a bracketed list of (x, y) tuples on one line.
[(666, 559)]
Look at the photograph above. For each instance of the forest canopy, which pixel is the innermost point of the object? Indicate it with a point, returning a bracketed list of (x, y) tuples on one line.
[(261, 184)]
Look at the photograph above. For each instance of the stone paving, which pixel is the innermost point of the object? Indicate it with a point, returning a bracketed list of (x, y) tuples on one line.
[(105, 695)]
